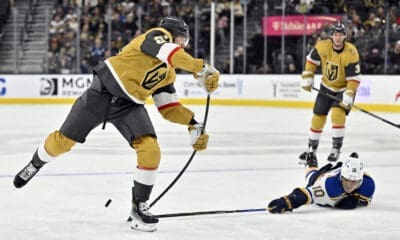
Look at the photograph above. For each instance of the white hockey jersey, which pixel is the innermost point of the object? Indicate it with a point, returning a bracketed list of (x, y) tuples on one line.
[(325, 187)]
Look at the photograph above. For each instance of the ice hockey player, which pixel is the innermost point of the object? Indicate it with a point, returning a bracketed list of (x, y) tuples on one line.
[(145, 67), (344, 186), (341, 76)]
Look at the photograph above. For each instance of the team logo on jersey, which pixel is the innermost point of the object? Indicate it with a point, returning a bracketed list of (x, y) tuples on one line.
[(155, 76), (332, 71)]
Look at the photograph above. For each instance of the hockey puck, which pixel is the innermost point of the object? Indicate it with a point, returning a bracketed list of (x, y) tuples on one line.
[(108, 202)]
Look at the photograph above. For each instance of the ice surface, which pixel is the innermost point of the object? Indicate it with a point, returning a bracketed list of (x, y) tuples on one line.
[(251, 159)]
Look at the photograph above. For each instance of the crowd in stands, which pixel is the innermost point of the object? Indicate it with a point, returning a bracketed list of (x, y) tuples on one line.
[(126, 19), (365, 19), (366, 29)]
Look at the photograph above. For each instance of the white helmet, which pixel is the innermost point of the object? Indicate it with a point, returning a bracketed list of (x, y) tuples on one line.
[(352, 168)]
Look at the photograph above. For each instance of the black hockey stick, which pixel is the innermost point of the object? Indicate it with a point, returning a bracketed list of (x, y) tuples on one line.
[(185, 214), (187, 163), (190, 159), (358, 108)]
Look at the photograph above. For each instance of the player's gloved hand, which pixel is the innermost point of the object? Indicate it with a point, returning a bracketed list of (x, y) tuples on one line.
[(347, 100), (208, 77), (198, 139), (280, 205), (349, 202), (307, 80), (294, 200), (352, 201)]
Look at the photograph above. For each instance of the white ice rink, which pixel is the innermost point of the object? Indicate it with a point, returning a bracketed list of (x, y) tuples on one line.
[(251, 159)]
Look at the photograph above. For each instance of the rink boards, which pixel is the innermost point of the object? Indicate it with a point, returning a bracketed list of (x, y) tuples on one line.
[(376, 93)]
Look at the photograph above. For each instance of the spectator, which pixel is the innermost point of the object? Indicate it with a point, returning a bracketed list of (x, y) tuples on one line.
[(374, 62), (365, 21), (53, 62), (238, 61), (238, 12), (72, 24), (116, 24), (130, 26), (222, 28), (127, 6), (394, 59), (97, 52), (57, 25), (54, 46)]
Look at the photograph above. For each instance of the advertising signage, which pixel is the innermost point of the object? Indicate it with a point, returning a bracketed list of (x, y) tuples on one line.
[(296, 25)]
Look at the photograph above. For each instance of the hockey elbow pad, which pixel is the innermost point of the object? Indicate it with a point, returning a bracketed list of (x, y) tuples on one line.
[(349, 202), (294, 200)]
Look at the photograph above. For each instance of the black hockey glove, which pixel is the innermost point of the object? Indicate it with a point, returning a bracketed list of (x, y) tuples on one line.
[(283, 204), (349, 202), (352, 201)]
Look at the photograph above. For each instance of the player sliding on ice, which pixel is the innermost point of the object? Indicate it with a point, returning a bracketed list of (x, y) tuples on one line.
[(121, 84), (344, 185)]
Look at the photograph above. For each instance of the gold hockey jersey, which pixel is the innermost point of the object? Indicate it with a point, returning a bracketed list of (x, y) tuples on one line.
[(340, 69), (147, 63), (146, 67)]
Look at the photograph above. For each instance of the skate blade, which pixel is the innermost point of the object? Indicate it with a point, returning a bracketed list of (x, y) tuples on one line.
[(144, 227)]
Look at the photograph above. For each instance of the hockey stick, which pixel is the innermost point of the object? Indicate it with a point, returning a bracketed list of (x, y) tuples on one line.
[(358, 108), (190, 159), (187, 163), (185, 214)]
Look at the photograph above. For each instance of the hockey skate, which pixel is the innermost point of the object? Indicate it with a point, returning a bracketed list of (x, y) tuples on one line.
[(334, 155), (308, 159), (29, 171), (311, 153), (142, 218)]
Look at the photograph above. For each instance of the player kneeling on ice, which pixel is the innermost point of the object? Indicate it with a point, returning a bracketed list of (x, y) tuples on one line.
[(344, 185), (121, 84)]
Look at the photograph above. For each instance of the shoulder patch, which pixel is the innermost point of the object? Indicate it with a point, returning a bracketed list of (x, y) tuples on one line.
[(154, 39)]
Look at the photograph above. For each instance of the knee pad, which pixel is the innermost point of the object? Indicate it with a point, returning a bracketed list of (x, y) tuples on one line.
[(318, 122), (338, 116), (147, 151), (56, 144)]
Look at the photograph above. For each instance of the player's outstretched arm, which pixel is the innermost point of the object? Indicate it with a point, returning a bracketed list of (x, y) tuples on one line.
[(297, 198)]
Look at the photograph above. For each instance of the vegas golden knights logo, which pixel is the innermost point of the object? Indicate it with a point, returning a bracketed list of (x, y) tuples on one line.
[(155, 76), (332, 71)]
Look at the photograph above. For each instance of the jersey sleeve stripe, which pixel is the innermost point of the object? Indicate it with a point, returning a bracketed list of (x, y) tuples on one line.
[(166, 52), (172, 54), (354, 78), (169, 105), (316, 63), (165, 98)]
